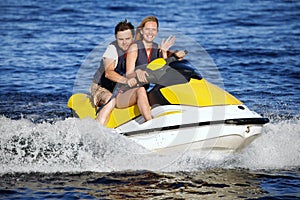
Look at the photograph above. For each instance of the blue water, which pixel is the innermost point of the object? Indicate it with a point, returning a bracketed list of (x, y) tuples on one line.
[(50, 49)]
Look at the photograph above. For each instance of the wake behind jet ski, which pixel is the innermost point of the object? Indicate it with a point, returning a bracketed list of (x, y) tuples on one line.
[(189, 113)]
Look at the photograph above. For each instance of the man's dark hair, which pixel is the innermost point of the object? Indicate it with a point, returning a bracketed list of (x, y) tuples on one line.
[(123, 26)]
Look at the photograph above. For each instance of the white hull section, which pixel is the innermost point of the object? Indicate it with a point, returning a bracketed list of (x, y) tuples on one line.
[(185, 128)]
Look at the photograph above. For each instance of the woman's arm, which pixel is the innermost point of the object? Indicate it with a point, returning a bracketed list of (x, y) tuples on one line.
[(131, 58)]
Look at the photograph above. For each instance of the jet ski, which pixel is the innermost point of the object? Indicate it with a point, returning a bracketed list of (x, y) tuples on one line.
[(189, 113)]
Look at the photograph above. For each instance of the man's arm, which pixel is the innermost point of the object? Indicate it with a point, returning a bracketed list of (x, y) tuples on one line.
[(110, 73)]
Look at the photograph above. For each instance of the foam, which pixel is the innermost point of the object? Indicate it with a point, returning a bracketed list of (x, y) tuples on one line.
[(277, 148), (74, 145)]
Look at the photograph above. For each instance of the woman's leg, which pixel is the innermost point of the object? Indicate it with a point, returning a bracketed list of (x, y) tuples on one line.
[(143, 103), (126, 99), (135, 96)]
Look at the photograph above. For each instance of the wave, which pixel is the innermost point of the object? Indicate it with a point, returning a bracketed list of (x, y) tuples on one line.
[(277, 148), (74, 145)]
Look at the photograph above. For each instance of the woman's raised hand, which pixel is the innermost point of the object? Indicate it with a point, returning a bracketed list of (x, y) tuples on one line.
[(166, 44)]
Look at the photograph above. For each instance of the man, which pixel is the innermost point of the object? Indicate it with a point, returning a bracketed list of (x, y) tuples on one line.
[(113, 70)]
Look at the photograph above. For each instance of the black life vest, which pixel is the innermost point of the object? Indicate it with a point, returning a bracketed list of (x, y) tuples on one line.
[(142, 58), (99, 76)]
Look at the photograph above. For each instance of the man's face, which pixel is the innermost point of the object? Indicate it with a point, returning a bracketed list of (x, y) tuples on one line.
[(124, 39)]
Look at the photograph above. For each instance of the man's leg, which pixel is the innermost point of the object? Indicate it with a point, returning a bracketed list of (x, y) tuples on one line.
[(105, 112)]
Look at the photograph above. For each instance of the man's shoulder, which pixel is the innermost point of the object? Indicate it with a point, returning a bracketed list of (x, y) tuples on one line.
[(111, 47), (111, 51)]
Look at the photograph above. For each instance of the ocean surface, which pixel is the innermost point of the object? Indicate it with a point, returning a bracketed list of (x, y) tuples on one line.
[(51, 49)]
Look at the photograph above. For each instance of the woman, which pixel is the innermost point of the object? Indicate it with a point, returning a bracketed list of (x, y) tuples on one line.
[(140, 53), (145, 50)]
